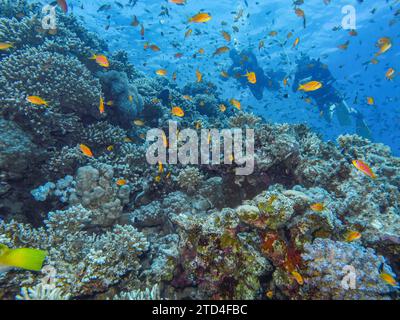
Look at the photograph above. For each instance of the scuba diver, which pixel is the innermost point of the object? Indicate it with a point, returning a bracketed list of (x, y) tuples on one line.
[(328, 99), (246, 61)]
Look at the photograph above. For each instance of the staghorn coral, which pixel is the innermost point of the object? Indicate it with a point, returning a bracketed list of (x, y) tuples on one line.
[(103, 134)]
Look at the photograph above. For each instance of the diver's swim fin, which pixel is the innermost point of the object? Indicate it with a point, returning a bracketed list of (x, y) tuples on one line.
[(362, 129), (343, 114)]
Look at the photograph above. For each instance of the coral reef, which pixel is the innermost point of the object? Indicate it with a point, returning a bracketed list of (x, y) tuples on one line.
[(118, 228)]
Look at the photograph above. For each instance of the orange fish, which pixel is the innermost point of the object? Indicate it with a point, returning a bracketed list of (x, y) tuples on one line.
[(199, 76), (220, 51), (297, 276), (310, 86), (285, 82), (154, 48), (388, 279), (178, 112), (251, 77), (178, 2), (384, 45), (101, 60), (86, 150), (121, 182), (300, 13), (370, 101), (352, 236), (318, 207), (296, 42), (101, 106), (226, 36), (37, 100), (222, 107), (390, 74), (201, 18), (364, 168), (161, 72), (235, 103), (63, 5)]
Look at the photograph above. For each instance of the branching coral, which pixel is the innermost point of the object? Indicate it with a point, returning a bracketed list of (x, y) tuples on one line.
[(190, 179), (35, 72), (85, 263)]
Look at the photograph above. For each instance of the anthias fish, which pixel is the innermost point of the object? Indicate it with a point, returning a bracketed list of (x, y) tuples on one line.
[(101, 60), (310, 86), (364, 168), (201, 18)]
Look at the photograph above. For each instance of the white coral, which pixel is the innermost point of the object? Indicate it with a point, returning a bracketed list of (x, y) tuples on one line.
[(42, 292)]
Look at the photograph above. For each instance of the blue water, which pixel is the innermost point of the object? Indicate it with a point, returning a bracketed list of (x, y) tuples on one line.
[(354, 79)]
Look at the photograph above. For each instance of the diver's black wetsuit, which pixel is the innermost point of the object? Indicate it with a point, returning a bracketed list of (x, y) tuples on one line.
[(246, 61), (328, 99)]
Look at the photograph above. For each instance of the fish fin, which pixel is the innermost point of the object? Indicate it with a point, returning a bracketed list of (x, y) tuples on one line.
[(25, 258)]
